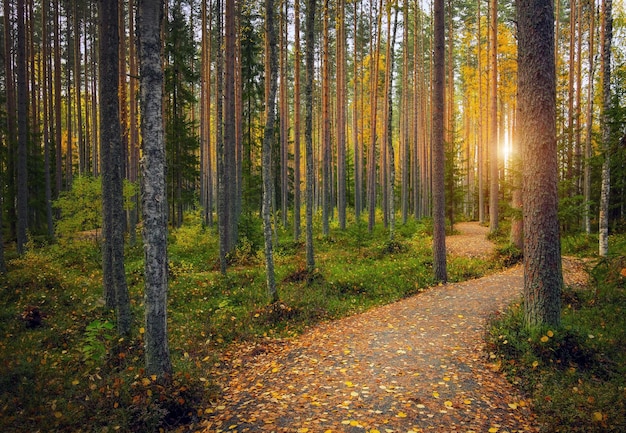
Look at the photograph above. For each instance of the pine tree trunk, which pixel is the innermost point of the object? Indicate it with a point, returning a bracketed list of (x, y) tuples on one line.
[(341, 114), (154, 199), (493, 122), (589, 125), (296, 126), (537, 132), (326, 200), (268, 135), (22, 132), (439, 208), (308, 129), (112, 177)]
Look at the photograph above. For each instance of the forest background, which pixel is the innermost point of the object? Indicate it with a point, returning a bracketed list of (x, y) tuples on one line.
[(371, 124)]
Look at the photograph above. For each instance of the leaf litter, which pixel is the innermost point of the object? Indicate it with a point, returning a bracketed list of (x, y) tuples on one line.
[(412, 366)]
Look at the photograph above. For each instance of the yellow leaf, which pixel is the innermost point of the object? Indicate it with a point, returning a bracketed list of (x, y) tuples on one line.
[(544, 338), (75, 382), (493, 429), (349, 384), (597, 416), (142, 330), (435, 394), (550, 334), (153, 377), (401, 415), (220, 407), (447, 379), (374, 431), (149, 393), (448, 403), (58, 415), (303, 430), (145, 381), (535, 364), (513, 405), (346, 422), (467, 401)]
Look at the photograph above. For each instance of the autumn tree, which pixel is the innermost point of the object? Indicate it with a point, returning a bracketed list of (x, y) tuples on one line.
[(537, 133), (154, 197), (605, 77)]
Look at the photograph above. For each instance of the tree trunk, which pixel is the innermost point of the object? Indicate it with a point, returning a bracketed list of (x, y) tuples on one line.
[(341, 114), (154, 199), (22, 132), (326, 157), (537, 132), (296, 125), (589, 125), (114, 276), (439, 208), (308, 129), (268, 135), (493, 122), (605, 77)]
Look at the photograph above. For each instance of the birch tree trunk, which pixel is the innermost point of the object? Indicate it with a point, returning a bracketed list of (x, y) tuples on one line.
[(154, 198), (605, 77)]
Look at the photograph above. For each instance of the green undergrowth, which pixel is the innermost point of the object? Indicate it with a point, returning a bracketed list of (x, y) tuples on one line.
[(574, 375), (63, 367)]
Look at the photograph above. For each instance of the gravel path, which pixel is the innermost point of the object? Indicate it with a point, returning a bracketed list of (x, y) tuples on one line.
[(416, 365)]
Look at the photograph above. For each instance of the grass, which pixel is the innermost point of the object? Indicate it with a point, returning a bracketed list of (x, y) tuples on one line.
[(574, 375), (63, 368)]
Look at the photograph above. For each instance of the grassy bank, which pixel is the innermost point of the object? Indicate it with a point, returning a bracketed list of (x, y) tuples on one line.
[(574, 375)]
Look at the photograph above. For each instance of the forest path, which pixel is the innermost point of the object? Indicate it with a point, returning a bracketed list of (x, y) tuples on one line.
[(416, 365)]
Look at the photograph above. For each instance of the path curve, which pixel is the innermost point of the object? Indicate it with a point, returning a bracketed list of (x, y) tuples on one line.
[(416, 365)]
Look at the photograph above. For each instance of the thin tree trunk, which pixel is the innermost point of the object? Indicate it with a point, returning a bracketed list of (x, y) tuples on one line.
[(46, 117), (77, 91), (154, 198), (589, 124), (493, 122), (308, 129), (22, 132), (296, 125), (284, 118), (326, 158), (358, 159), (268, 135), (605, 77), (341, 114)]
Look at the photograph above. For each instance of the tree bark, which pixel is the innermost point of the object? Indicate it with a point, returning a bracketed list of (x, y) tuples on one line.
[(537, 132), (114, 276), (493, 122), (154, 198), (22, 132), (308, 129), (605, 77), (439, 208), (268, 135), (296, 125)]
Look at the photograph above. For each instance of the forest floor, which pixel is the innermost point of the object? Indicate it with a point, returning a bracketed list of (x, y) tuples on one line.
[(415, 365)]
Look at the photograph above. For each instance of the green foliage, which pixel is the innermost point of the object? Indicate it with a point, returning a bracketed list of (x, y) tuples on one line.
[(575, 375), (94, 346), (80, 207)]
